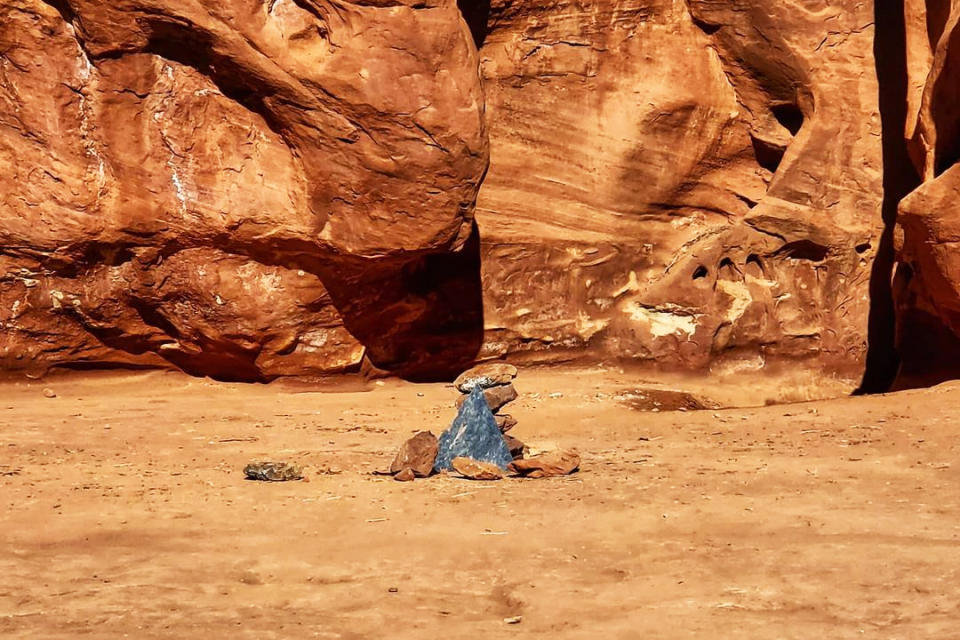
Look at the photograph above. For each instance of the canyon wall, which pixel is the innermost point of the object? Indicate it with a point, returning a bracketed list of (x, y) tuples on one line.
[(241, 189), (927, 282), (255, 188), (694, 184)]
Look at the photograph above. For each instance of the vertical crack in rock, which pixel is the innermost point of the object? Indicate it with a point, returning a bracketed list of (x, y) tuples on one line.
[(899, 178)]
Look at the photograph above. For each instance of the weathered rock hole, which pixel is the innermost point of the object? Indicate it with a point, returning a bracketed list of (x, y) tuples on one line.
[(727, 270), (768, 156), (862, 248), (804, 250), (754, 266), (700, 273), (788, 115)]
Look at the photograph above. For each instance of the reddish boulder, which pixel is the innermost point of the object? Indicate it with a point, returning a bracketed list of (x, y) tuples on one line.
[(555, 463), (476, 470), (517, 448), (489, 374), (417, 454)]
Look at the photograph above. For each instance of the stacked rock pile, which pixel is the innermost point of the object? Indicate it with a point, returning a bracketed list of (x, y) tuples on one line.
[(477, 444), (495, 380)]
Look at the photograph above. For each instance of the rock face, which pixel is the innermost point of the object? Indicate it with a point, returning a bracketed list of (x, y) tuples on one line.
[(254, 188), (239, 188), (695, 184), (927, 283)]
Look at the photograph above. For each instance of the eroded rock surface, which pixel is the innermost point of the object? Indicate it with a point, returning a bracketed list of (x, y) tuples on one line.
[(691, 184), (240, 188), (255, 188), (927, 283)]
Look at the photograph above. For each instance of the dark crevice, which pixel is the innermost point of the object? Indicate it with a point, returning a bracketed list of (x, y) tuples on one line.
[(476, 14), (769, 156), (707, 27), (899, 178), (64, 9), (428, 326), (938, 11), (789, 115), (803, 250), (751, 203)]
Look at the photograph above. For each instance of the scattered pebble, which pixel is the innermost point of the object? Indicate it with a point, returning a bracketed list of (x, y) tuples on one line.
[(405, 475), (272, 471)]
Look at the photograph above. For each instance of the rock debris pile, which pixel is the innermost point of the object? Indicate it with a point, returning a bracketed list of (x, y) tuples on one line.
[(477, 445)]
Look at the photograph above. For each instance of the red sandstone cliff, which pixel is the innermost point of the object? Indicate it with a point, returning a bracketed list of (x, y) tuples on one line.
[(255, 188)]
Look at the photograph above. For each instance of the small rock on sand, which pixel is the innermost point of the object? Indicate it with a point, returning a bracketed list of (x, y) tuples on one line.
[(555, 463), (405, 475), (49, 393), (476, 470), (417, 454), (273, 471)]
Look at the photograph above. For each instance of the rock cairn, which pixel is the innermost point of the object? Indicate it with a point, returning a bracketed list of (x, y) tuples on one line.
[(477, 445), (495, 379)]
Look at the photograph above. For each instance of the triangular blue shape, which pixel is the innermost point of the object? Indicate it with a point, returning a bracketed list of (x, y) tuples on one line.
[(473, 434)]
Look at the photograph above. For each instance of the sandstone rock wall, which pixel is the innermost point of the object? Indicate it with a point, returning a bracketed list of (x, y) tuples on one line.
[(240, 188), (927, 284), (254, 188), (695, 184)]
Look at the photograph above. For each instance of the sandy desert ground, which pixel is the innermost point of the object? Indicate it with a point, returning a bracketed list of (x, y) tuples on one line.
[(126, 514)]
